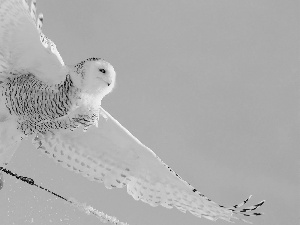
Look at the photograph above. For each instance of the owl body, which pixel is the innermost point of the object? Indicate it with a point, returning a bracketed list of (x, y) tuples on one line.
[(41, 108), (36, 105)]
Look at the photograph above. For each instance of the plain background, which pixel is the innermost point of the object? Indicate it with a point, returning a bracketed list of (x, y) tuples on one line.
[(210, 86)]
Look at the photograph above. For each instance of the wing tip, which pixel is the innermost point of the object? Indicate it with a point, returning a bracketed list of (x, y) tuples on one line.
[(247, 212)]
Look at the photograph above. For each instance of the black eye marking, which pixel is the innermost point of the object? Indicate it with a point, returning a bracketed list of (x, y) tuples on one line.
[(102, 70)]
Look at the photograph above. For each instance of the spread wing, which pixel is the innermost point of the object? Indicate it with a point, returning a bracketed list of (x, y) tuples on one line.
[(23, 46), (108, 153)]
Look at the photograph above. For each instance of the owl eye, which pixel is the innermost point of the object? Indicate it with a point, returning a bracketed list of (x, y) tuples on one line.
[(102, 70)]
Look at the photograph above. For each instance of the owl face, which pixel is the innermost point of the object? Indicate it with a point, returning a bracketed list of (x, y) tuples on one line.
[(96, 78), (101, 77)]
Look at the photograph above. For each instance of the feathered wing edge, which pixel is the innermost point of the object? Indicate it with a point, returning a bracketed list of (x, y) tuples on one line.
[(23, 46), (46, 42), (108, 153)]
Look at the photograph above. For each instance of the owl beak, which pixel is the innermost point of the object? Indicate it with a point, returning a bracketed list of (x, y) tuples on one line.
[(106, 80)]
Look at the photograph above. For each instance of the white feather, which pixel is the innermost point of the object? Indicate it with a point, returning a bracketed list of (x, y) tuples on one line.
[(21, 47)]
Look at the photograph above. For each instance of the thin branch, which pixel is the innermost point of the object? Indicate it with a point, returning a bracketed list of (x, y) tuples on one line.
[(89, 210)]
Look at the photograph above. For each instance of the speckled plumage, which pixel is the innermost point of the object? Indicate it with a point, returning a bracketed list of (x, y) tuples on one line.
[(36, 105), (39, 108)]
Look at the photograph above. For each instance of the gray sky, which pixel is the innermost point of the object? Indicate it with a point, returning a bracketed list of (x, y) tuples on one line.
[(209, 86)]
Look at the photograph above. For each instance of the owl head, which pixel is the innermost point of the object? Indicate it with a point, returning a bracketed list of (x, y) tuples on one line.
[(95, 77)]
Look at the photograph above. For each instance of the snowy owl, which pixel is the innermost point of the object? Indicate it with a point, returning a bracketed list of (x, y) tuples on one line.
[(59, 106)]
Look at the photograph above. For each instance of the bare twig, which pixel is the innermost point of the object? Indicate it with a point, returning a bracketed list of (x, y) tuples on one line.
[(89, 210)]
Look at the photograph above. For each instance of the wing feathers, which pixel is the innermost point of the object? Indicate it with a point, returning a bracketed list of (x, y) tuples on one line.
[(110, 154), (20, 43)]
